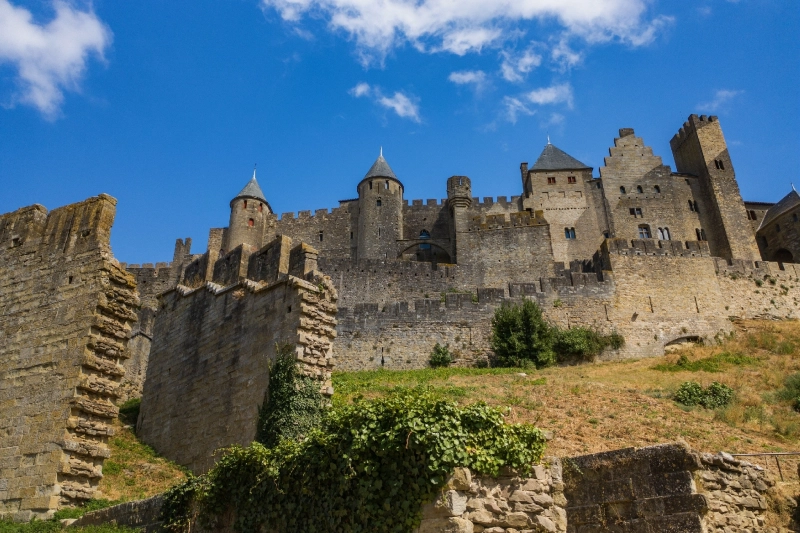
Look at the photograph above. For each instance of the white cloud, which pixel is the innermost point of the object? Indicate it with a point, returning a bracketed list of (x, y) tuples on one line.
[(402, 104), (564, 56), (515, 68), (49, 58), (721, 99), (555, 94), (468, 77), (465, 26), (515, 107)]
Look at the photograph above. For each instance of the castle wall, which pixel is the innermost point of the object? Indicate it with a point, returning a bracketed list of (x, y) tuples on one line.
[(339, 228), (65, 312), (212, 346)]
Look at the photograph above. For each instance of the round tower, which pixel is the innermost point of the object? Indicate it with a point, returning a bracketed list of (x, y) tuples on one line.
[(380, 212), (249, 210)]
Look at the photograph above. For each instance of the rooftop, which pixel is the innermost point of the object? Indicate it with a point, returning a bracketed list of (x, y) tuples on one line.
[(252, 190), (553, 158), (380, 169), (789, 201)]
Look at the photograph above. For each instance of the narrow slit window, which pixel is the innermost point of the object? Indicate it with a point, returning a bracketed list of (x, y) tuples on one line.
[(379, 202), (387, 185), (320, 236), (251, 222), (370, 185), (622, 190), (244, 204), (691, 206)]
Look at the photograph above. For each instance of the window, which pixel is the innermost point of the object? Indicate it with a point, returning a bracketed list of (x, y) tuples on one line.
[(639, 189), (569, 233), (777, 228), (351, 235), (370, 185), (697, 232), (696, 209), (260, 208), (703, 235), (751, 215), (424, 235), (764, 242), (599, 184), (719, 164), (379, 231), (244, 204), (571, 179), (691, 206), (622, 190), (251, 222), (379, 202), (644, 231), (660, 233), (657, 189), (794, 217), (387, 185), (606, 234), (636, 212), (320, 236), (551, 181), (667, 236)]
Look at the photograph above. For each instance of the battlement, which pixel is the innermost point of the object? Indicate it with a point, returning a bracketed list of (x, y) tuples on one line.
[(318, 213), (689, 127), (427, 203), (501, 221), (272, 262), (655, 247)]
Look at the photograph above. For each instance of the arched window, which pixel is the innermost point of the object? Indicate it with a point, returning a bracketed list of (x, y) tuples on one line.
[(569, 233), (622, 190), (251, 222), (379, 202), (320, 236), (424, 235), (387, 185), (657, 189), (660, 233), (644, 231), (691, 206), (244, 204), (639, 189), (667, 236)]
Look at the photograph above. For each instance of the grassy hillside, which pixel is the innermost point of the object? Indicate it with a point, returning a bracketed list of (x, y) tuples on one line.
[(605, 406)]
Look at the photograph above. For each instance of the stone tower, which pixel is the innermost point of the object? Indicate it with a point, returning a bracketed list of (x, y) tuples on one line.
[(380, 212), (249, 210), (699, 148), (459, 199)]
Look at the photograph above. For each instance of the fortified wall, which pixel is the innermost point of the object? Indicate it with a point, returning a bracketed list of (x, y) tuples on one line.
[(66, 309), (215, 337)]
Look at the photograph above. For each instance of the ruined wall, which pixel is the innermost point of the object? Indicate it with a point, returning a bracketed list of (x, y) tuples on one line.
[(663, 488), (212, 345), (65, 312)]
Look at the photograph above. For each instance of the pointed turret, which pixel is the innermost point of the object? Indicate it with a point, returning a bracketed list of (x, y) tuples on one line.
[(553, 158), (380, 169), (251, 190)]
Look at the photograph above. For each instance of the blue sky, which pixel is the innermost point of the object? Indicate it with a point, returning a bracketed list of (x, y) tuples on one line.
[(167, 105)]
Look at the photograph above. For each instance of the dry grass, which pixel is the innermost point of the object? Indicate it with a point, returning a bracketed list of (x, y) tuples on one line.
[(606, 406), (134, 471)]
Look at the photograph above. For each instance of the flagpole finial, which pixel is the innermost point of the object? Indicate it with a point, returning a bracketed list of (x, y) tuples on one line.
[(548, 138), (381, 151), (795, 190), (254, 170)]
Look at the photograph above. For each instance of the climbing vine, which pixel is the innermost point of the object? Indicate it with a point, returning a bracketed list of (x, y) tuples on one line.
[(368, 467)]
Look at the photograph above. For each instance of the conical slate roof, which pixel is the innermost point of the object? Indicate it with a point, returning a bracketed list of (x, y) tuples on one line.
[(380, 169), (252, 190), (788, 202), (553, 158)]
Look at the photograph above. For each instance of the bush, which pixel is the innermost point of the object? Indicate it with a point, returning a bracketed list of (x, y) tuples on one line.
[(293, 404), (522, 337), (716, 395), (791, 391), (369, 466), (440, 356)]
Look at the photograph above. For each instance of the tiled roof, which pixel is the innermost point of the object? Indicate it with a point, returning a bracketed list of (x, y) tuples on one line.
[(553, 158)]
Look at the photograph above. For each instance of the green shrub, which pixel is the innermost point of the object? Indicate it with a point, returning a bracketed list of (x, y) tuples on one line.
[(716, 395), (521, 336), (440, 356), (369, 466), (791, 391), (293, 404)]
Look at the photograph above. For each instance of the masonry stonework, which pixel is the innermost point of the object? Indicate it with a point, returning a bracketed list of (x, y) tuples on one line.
[(66, 309), (214, 339)]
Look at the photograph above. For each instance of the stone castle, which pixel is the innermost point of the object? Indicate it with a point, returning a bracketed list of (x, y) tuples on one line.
[(655, 255)]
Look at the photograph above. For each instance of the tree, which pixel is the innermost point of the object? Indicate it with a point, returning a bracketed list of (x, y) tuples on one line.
[(522, 337)]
